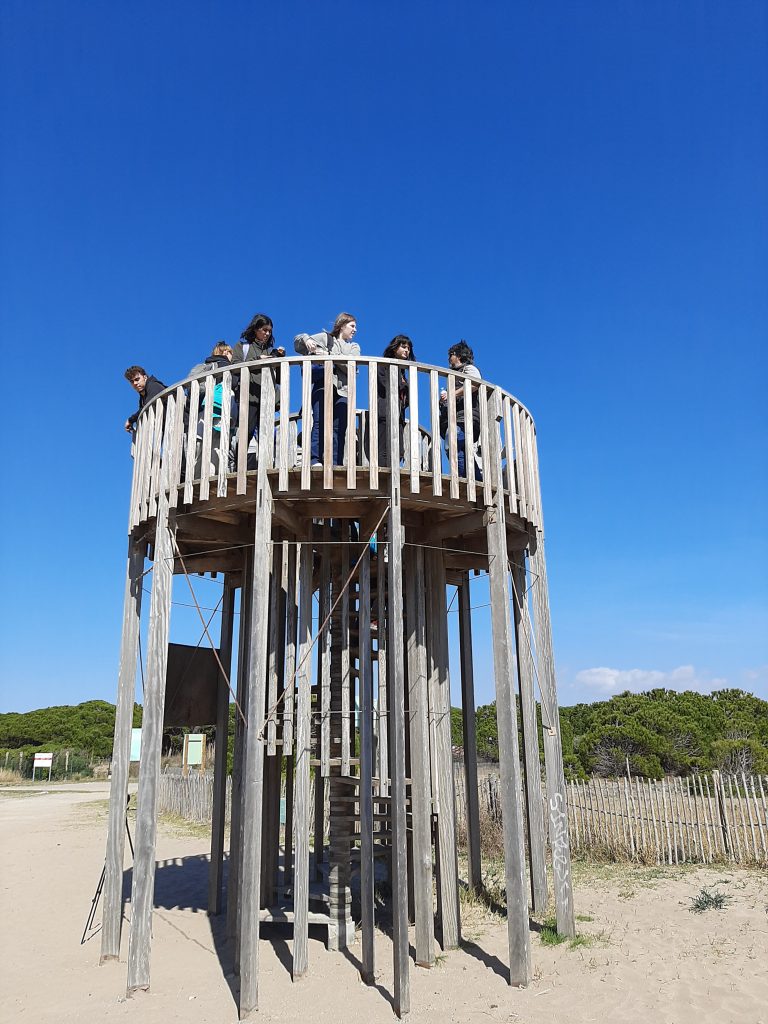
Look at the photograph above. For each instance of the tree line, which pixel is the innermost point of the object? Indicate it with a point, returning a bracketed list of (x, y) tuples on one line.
[(657, 733)]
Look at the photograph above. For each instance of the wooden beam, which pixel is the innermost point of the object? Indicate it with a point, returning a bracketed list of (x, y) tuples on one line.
[(220, 759), (250, 867), (418, 708), (509, 758), (534, 809), (470, 736), (367, 971), (557, 796), (121, 752), (402, 990), (142, 891), (301, 770)]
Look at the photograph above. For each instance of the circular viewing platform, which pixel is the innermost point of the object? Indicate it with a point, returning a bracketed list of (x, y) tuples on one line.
[(194, 442)]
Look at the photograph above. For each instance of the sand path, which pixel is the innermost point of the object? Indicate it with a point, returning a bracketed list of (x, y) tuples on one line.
[(648, 958)]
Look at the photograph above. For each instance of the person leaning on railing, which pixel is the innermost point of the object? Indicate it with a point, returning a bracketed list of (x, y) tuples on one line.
[(336, 342), (256, 342), (462, 358), (147, 388), (401, 347), (219, 359)]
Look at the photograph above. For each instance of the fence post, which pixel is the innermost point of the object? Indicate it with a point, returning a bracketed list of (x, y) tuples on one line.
[(720, 805)]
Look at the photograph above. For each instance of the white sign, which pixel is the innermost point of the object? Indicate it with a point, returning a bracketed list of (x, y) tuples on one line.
[(43, 760), (135, 744)]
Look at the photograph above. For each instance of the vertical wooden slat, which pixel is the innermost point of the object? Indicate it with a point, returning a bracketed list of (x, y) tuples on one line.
[(434, 428), (157, 448), (366, 773), (306, 424), (301, 770), (415, 585), (351, 424), (243, 438), (121, 752), (413, 432), (520, 457), (469, 441), (205, 453), (215, 870), (510, 450), (373, 425), (489, 421), (226, 415), (751, 819), (327, 414), (474, 867), (191, 450), (284, 463), (761, 819), (453, 456), (176, 448)]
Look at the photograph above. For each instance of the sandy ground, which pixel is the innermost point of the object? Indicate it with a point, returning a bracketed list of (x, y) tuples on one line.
[(643, 957)]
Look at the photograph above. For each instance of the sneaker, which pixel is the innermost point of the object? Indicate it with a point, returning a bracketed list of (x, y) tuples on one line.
[(316, 463)]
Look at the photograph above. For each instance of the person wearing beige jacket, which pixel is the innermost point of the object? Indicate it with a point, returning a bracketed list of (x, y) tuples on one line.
[(336, 342)]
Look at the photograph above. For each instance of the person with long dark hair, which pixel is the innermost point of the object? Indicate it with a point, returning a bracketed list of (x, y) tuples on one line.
[(336, 342), (462, 358), (401, 347), (256, 342)]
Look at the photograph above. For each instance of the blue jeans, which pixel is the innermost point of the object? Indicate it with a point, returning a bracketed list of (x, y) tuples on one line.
[(339, 419), (462, 455)]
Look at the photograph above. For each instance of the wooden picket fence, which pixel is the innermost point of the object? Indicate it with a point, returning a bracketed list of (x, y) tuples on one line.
[(701, 819)]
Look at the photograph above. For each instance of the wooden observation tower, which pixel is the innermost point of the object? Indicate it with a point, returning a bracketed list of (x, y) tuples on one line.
[(356, 699)]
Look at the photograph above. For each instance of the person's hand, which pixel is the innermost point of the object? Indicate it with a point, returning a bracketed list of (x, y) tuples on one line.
[(311, 347), (280, 351), (128, 426)]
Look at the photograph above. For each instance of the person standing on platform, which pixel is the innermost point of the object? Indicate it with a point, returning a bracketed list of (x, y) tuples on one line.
[(401, 347), (462, 358), (336, 342), (147, 388), (256, 342)]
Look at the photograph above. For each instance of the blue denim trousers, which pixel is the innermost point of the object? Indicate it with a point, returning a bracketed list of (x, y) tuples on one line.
[(339, 419)]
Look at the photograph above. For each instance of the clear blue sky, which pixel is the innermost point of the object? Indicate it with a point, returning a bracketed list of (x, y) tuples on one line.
[(580, 190)]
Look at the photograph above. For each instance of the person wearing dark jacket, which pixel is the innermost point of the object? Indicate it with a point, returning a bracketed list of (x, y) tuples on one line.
[(462, 358), (401, 347), (147, 388), (256, 342)]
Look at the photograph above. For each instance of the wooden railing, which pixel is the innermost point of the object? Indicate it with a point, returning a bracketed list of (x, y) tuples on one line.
[(199, 448)]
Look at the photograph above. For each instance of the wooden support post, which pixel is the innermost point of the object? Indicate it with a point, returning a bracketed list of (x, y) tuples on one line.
[(367, 971), (250, 866), (215, 870), (402, 991), (112, 910), (509, 757), (143, 887), (236, 818), (318, 831), (534, 809), (437, 642), (301, 771), (288, 847), (470, 738), (553, 748), (421, 803)]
